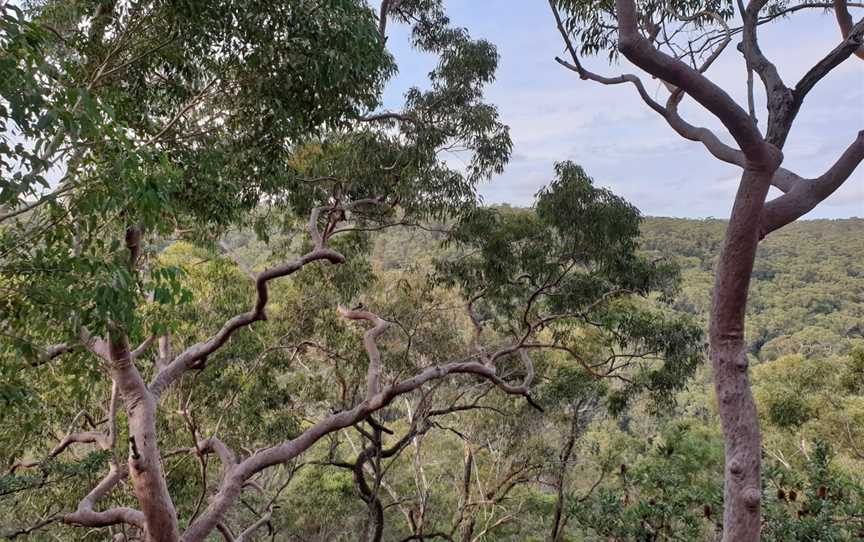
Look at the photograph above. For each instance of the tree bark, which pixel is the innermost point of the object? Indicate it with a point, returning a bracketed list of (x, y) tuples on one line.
[(145, 466), (738, 417)]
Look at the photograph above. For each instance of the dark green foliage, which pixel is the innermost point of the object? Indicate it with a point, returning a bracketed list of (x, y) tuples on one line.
[(575, 262)]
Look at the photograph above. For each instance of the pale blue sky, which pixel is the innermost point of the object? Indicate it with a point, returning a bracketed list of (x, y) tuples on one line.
[(553, 115)]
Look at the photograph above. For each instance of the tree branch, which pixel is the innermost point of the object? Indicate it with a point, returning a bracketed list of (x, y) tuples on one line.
[(85, 516), (669, 113), (143, 347), (373, 378), (232, 485), (145, 467), (844, 21), (197, 352), (642, 53), (753, 54), (51, 352), (803, 195), (851, 45)]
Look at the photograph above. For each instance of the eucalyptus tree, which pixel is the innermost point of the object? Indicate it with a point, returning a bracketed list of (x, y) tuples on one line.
[(657, 38), (172, 120), (168, 121)]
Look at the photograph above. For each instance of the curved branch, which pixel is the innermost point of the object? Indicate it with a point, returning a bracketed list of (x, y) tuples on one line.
[(143, 347), (232, 485), (249, 531), (803, 196), (87, 437), (104, 441), (642, 53), (85, 516), (844, 21), (851, 44), (756, 59), (669, 113), (785, 108), (49, 353), (373, 378), (216, 446), (191, 357)]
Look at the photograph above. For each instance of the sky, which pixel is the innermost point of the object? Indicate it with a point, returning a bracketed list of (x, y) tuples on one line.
[(621, 143)]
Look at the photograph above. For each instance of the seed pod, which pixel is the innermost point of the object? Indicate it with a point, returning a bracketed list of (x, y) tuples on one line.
[(822, 492), (706, 510), (781, 495), (792, 495)]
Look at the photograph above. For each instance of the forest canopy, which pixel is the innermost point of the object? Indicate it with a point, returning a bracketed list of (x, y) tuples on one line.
[(242, 299)]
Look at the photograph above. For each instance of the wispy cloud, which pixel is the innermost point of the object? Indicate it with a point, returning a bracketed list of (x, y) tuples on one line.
[(555, 116)]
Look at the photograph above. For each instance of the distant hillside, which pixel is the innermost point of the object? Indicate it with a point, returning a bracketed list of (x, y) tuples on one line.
[(808, 291)]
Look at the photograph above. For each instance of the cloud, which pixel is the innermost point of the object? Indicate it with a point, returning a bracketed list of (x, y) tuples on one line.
[(553, 115)]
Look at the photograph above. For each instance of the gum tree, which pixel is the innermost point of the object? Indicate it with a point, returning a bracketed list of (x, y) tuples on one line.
[(677, 43), (176, 121)]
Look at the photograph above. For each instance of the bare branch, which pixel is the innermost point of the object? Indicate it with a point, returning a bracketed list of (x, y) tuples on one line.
[(103, 440), (164, 355), (670, 113), (756, 59), (786, 107), (851, 44), (96, 345), (197, 352), (373, 378), (387, 6), (87, 517), (249, 531), (143, 347), (803, 196), (145, 467), (214, 445), (844, 21), (52, 352), (232, 485), (87, 437), (641, 52)]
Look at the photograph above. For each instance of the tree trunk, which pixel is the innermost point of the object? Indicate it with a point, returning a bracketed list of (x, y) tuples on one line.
[(738, 417), (557, 531), (466, 525), (374, 521), (145, 467)]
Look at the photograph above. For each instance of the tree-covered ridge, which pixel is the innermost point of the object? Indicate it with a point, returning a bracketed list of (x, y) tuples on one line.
[(807, 295), (663, 475)]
